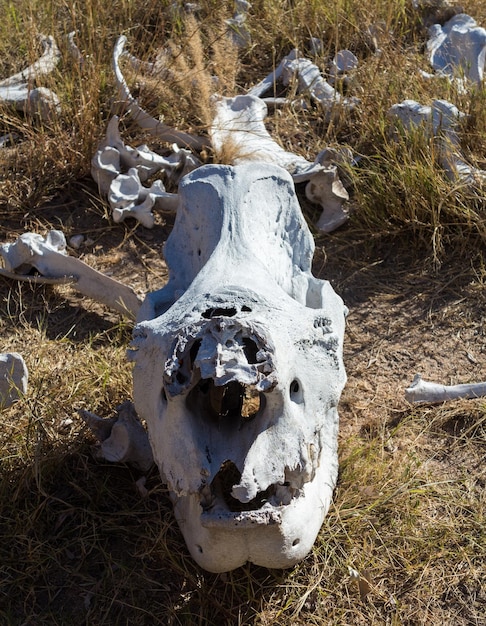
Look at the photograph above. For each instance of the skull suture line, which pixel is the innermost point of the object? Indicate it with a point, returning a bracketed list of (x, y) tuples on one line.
[(238, 371)]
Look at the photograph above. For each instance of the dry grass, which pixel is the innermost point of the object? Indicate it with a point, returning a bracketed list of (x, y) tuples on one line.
[(80, 543)]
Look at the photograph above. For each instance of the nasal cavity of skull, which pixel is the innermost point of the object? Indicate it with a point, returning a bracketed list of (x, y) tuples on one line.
[(222, 485), (219, 312), (231, 404)]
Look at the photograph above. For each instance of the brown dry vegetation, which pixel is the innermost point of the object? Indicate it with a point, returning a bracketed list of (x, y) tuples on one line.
[(78, 542)]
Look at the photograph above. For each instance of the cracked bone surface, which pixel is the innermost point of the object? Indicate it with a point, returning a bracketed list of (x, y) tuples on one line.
[(48, 256), (440, 121), (18, 90), (238, 124), (238, 370), (424, 391), (13, 378)]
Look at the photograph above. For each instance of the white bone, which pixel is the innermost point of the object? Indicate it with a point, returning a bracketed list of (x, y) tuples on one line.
[(48, 256), (310, 81), (269, 81), (128, 198), (114, 157), (440, 122), (458, 48), (344, 61), (239, 122), (123, 439), (242, 318), (424, 391), (17, 90), (141, 117), (13, 378)]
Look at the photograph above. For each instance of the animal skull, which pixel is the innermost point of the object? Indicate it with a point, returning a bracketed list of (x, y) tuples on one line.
[(238, 370)]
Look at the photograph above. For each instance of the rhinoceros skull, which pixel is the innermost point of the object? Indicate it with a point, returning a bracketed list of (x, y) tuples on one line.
[(238, 371)]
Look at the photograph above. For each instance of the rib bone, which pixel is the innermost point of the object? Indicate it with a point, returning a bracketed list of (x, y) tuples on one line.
[(141, 117)]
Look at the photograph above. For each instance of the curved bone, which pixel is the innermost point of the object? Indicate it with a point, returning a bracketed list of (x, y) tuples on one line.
[(458, 48), (238, 370), (13, 378), (123, 439), (48, 256), (17, 90), (424, 391), (141, 117)]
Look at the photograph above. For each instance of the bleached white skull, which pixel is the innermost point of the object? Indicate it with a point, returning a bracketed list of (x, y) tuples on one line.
[(238, 371)]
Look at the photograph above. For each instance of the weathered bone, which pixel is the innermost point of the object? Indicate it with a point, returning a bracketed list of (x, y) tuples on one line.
[(423, 391), (49, 257), (122, 438), (457, 49), (120, 170), (14, 377), (311, 81), (440, 122), (129, 198), (238, 123), (238, 370), (18, 91), (141, 117)]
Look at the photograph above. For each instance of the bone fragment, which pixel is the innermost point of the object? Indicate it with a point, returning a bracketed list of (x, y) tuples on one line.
[(122, 438), (120, 170), (457, 49), (440, 123), (423, 391), (13, 378), (18, 90), (343, 63), (49, 257), (141, 117)]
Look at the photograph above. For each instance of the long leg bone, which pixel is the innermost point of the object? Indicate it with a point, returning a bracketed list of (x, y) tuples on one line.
[(49, 257), (424, 391)]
